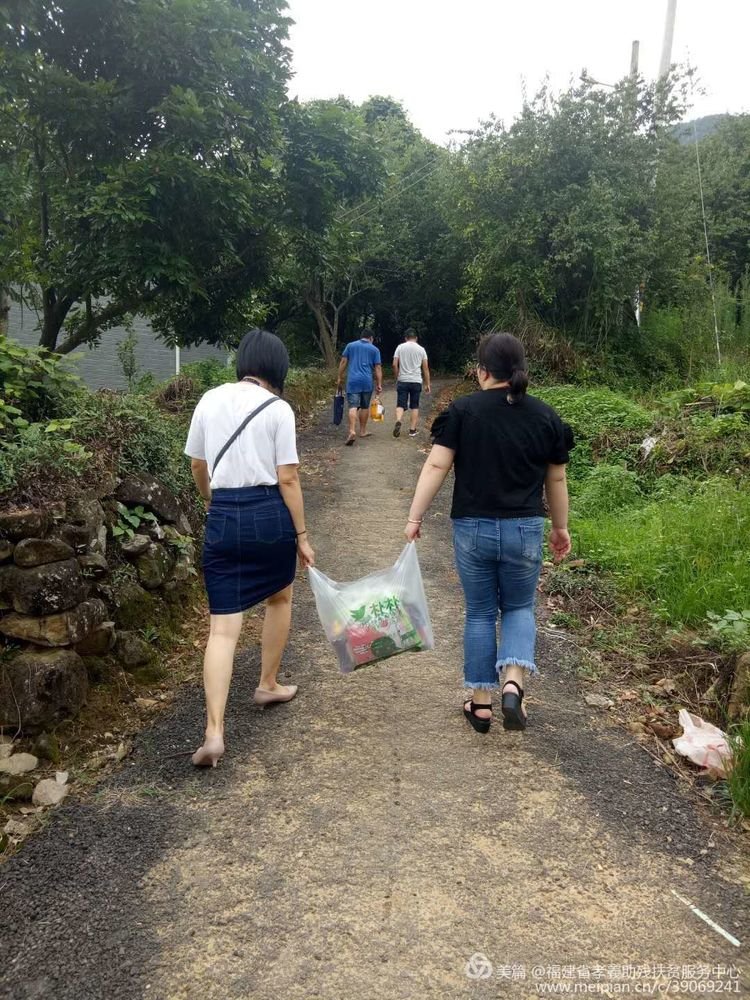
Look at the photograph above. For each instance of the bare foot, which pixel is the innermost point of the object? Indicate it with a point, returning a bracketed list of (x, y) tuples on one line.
[(210, 753), (280, 692)]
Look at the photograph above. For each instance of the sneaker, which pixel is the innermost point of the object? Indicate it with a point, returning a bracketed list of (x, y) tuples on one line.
[(397, 429), (412, 434)]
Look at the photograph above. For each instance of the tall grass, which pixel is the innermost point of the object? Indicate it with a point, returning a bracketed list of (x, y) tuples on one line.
[(687, 554), (738, 779)]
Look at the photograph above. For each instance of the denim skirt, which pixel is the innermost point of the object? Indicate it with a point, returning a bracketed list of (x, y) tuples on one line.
[(250, 548)]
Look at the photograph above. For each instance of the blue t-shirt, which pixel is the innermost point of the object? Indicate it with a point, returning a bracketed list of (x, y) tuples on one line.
[(361, 355)]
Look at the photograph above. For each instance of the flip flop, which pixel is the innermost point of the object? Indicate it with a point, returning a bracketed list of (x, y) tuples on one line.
[(350, 440), (271, 697)]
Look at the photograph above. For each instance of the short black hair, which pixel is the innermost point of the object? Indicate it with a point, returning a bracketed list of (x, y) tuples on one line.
[(411, 334), (263, 355), (369, 334)]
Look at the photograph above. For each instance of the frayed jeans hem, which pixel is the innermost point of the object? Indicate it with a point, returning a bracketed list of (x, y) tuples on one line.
[(481, 685)]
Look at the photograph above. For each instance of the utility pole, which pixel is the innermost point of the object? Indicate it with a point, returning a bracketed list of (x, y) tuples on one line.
[(634, 60), (666, 48)]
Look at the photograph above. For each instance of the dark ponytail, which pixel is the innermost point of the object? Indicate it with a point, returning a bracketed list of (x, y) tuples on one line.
[(502, 355)]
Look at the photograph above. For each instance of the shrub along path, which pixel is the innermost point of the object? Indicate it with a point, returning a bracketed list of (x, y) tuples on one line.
[(363, 840)]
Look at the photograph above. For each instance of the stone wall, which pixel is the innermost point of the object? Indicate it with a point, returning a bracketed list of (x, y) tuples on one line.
[(78, 583)]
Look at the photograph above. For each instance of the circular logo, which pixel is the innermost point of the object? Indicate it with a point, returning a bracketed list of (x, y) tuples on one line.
[(479, 966)]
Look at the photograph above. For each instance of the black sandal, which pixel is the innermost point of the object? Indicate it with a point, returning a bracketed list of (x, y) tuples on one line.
[(481, 725), (513, 717)]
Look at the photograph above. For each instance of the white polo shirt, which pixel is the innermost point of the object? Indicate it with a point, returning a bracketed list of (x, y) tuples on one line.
[(269, 440)]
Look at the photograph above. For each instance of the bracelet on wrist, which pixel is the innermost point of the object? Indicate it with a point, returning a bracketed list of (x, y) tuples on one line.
[(414, 520), (301, 533)]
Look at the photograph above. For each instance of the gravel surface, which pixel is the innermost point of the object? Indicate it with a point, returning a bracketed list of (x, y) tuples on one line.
[(363, 841)]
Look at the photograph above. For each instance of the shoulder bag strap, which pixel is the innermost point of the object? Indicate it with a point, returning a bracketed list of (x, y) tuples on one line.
[(240, 429)]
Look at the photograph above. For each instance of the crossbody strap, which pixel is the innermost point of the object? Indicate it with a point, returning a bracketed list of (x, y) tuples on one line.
[(240, 429)]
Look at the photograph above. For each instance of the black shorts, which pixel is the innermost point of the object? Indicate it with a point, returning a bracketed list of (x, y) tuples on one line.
[(407, 395)]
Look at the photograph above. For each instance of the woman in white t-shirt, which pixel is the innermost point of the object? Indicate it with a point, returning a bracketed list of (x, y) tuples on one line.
[(243, 448)]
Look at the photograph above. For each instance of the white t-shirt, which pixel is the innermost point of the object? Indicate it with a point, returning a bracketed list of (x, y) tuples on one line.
[(269, 440), (410, 357)]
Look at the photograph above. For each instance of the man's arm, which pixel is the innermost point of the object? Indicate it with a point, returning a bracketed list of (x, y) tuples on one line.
[(378, 369), (426, 376), (396, 366), (342, 369)]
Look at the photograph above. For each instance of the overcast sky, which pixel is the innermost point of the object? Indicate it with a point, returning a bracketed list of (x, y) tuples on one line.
[(453, 62)]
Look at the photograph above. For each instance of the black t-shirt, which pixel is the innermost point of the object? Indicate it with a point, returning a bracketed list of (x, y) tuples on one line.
[(502, 451)]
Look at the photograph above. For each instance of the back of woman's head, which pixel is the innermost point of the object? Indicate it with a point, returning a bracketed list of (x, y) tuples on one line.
[(502, 356), (263, 355)]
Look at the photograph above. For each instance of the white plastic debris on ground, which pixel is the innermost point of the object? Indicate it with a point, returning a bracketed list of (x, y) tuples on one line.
[(703, 743)]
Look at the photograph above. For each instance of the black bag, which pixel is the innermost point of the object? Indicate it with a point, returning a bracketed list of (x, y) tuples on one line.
[(338, 407), (239, 430)]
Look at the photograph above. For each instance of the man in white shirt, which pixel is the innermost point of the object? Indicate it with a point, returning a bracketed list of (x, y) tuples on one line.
[(412, 373)]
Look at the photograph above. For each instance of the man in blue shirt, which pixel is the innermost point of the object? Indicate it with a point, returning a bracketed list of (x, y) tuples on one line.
[(362, 359)]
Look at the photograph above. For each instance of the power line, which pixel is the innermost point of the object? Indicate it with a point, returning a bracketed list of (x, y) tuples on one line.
[(400, 189), (417, 170)]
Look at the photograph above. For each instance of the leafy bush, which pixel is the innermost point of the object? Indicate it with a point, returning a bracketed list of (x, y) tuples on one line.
[(688, 554), (607, 425), (41, 452), (32, 381), (138, 435), (732, 629), (607, 488), (596, 413), (703, 444)]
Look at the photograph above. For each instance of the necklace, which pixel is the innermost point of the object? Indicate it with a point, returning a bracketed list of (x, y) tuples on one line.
[(249, 378)]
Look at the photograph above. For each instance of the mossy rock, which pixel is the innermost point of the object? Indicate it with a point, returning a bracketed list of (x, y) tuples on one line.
[(101, 669), (152, 673), (47, 746), (135, 608)]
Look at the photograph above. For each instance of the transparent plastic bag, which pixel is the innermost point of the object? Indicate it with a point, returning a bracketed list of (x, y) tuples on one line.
[(376, 617), (703, 743)]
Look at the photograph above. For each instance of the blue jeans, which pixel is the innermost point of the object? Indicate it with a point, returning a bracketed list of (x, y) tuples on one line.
[(498, 561)]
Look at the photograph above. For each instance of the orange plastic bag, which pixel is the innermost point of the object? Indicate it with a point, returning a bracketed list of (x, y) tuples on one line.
[(377, 411)]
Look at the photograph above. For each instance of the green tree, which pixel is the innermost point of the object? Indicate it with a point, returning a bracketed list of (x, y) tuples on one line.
[(558, 210), (331, 165), (145, 137), (725, 157)]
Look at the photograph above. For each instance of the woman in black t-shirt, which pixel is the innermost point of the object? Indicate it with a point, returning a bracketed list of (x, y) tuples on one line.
[(507, 449)]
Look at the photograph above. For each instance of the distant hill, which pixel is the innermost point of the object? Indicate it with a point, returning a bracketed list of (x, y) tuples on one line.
[(704, 126)]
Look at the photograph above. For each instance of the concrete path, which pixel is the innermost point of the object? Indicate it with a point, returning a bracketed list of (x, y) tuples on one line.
[(363, 842)]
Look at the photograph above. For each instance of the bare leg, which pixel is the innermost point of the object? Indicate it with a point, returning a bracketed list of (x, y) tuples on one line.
[(399, 413), (352, 425), (218, 662), (364, 416), (276, 626), (413, 419)]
